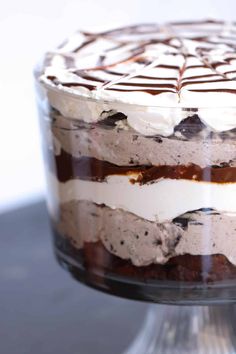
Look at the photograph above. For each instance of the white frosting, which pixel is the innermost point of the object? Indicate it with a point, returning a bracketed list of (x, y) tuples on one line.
[(160, 201), (148, 121), (180, 65)]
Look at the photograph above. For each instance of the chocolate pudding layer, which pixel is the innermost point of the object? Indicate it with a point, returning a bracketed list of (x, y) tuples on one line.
[(139, 140)]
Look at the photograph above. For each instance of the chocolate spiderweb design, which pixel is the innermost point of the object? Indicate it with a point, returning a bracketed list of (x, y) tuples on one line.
[(193, 56)]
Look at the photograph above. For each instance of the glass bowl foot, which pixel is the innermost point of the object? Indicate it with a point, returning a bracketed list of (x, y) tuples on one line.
[(190, 329)]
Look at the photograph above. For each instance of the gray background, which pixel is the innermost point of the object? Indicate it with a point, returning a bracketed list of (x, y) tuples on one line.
[(42, 309)]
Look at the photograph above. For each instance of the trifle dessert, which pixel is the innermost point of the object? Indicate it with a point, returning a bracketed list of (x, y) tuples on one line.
[(139, 127)]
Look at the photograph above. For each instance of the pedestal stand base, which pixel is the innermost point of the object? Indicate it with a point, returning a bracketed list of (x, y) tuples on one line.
[(190, 330)]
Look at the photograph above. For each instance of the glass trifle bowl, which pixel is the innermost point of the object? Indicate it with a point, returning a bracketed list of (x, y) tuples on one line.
[(139, 127)]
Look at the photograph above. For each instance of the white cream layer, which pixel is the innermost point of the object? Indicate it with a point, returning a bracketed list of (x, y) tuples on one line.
[(160, 201), (195, 67), (146, 120)]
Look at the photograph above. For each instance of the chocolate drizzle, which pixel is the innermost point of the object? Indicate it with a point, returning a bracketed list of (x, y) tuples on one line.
[(130, 59), (88, 168)]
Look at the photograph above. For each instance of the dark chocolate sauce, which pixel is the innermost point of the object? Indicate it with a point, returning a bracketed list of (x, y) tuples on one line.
[(89, 168)]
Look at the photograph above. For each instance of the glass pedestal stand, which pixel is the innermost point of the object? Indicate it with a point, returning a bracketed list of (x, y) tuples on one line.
[(172, 329), (190, 330)]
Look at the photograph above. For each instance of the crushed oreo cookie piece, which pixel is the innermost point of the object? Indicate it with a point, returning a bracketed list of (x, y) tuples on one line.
[(190, 126), (157, 139), (182, 222), (111, 120)]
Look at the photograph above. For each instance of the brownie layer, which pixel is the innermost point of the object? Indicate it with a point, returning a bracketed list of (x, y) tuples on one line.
[(181, 268), (203, 232), (186, 268)]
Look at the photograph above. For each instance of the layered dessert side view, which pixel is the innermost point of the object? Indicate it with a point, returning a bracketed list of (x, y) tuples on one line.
[(140, 147)]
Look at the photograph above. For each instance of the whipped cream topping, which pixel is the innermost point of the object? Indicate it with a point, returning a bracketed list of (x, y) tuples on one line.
[(177, 65), (153, 202)]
